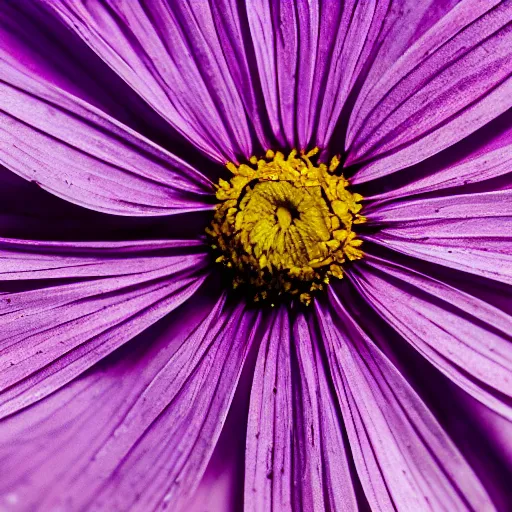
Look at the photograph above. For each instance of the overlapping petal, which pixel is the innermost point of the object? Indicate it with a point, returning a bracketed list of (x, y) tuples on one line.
[(463, 336), (136, 431), (78, 153), (295, 449), (494, 160), (170, 54), (452, 81), (404, 459), (234, 38), (404, 23), (470, 232), (74, 303), (308, 55)]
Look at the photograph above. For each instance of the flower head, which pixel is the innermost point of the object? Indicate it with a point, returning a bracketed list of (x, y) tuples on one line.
[(367, 199)]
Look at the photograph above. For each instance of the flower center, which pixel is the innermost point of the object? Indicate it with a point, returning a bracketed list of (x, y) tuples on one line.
[(283, 226)]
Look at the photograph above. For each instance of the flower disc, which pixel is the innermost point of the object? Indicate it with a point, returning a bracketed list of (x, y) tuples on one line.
[(284, 227)]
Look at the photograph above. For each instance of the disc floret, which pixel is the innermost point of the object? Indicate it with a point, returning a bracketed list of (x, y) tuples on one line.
[(284, 225)]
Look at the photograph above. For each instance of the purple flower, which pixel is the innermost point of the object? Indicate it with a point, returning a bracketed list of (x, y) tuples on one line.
[(132, 378)]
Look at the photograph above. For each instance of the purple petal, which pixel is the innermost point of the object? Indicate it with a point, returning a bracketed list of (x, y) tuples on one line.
[(491, 209), (403, 457), (491, 161), (464, 337), (355, 29), (295, 455), (308, 56), (320, 459), (269, 471), (273, 49), (187, 402), (33, 42), (50, 333), (455, 79), (169, 53), (135, 432), (78, 153), (470, 232), (231, 28), (404, 23)]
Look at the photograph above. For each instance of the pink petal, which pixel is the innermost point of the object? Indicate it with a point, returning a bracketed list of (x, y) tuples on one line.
[(452, 81), (169, 53), (403, 457), (464, 337), (51, 333)]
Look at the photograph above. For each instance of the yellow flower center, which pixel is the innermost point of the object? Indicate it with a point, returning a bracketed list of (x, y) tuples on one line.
[(283, 226)]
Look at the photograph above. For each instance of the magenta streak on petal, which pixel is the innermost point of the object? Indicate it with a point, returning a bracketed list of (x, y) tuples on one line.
[(52, 334), (153, 49), (440, 91), (80, 154), (468, 232), (59, 452), (404, 459), (464, 337)]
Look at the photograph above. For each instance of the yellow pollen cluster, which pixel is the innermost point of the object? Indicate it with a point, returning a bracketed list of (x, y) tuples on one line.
[(283, 226)]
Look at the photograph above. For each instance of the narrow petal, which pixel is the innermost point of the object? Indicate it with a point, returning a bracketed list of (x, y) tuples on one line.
[(487, 164), (136, 431), (234, 39), (268, 454), (170, 54), (455, 79), (470, 232), (484, 206), (295, 455), (308, 55), (403, 457), (320, 459), (274, 35), (464, 337), (404, 23), (356, 28), (78, 153), (44, 216), (96, 297)]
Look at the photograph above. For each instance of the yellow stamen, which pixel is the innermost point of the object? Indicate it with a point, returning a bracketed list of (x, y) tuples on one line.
[(284, 226)]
